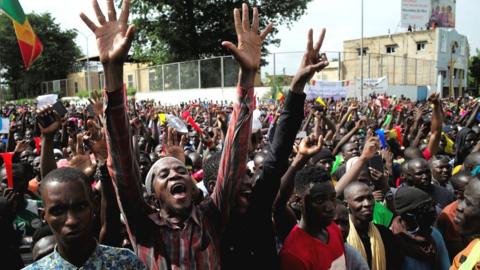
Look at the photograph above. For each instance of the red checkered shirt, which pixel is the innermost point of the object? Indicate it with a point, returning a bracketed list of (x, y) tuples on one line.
[(158, 243)]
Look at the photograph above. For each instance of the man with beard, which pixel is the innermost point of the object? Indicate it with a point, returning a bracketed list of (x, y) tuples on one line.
[(419, 176), (375, 242), (468, 219), (69, 211), (181, 235), (423, 245)]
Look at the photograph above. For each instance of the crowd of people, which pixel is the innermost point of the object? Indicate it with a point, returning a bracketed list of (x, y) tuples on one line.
[(383, 183)]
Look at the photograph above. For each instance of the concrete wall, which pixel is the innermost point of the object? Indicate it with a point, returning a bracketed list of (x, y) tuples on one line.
[(406, 65), (330, 73)]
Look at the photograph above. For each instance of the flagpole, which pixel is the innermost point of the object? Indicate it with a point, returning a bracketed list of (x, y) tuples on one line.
[(361, 55)]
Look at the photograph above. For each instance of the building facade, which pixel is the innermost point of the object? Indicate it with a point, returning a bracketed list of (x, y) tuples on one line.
[(436, 58)]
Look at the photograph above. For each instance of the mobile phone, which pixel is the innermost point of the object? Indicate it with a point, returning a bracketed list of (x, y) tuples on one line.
[(46, 121), (376, 162), (59, 109)]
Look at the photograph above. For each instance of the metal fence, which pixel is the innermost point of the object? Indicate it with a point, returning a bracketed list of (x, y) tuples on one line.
[(222, 72), (215, 72)]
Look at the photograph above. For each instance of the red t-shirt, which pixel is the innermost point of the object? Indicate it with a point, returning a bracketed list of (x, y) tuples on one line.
[(426, 154), (302, 251)]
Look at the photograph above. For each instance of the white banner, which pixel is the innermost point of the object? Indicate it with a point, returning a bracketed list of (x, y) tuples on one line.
[(4, 125), (373, 85), (327, 89), (415, 13), (46, 100)]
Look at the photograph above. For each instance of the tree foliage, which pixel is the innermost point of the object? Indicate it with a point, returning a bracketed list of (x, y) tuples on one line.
[(180, 30), (57, 59), (474, 71)]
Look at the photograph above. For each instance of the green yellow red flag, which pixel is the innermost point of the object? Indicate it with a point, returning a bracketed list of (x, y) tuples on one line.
[(30, 46)]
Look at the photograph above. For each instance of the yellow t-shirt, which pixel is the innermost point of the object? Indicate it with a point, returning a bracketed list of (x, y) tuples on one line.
[(471, 250)]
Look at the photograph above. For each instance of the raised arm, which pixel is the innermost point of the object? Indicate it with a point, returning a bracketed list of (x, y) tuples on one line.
[(47, 158), (234, 156), (371, 147), (114, 39), (358, 125), (288, 124), (283, 216), (436, 127)]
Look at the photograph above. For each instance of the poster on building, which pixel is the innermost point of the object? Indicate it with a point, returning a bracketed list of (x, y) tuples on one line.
[(442, 13), (419, 14), (415, 13), (373, 86), (327, 89)]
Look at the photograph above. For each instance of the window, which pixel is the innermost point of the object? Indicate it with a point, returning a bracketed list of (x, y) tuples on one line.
[(130, 81), (75, 85), (391, 49), (365, 50), (421, 46)]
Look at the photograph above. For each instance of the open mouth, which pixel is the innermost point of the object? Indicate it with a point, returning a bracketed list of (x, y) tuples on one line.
[(178, 190), (457, 220)]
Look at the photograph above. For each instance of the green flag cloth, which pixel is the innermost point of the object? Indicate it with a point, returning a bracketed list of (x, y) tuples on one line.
[(382, 215), (13, 9)]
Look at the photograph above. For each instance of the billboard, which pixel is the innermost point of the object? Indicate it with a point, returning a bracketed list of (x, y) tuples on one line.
[(416, 13), (442, 13), (423, 13)]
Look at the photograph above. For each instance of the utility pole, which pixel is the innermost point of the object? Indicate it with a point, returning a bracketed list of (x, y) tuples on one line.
[(361, 55)]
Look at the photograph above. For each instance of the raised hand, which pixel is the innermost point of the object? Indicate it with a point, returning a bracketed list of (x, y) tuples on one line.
[(310, 146), (84, 163), (114, 39), (376, 174), (248, 51), (371, 148), (47, 112), (95, 140), (434, 98), (21, 146), (312, 62), (361, 123), (97, 103)]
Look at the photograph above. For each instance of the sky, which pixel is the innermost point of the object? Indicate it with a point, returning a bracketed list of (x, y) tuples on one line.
[(341, 18)]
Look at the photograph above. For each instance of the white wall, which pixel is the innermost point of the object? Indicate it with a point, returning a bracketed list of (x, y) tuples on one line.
[(177, 96), (408, 91)]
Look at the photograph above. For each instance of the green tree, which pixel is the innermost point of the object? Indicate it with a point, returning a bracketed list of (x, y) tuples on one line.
[(180, 30), (57, 60), (474, 71)]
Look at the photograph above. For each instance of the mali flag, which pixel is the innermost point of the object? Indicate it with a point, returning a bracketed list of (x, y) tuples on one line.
[(30, 45)]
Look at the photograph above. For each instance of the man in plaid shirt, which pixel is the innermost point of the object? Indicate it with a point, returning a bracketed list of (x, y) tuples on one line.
[(182, 235)]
